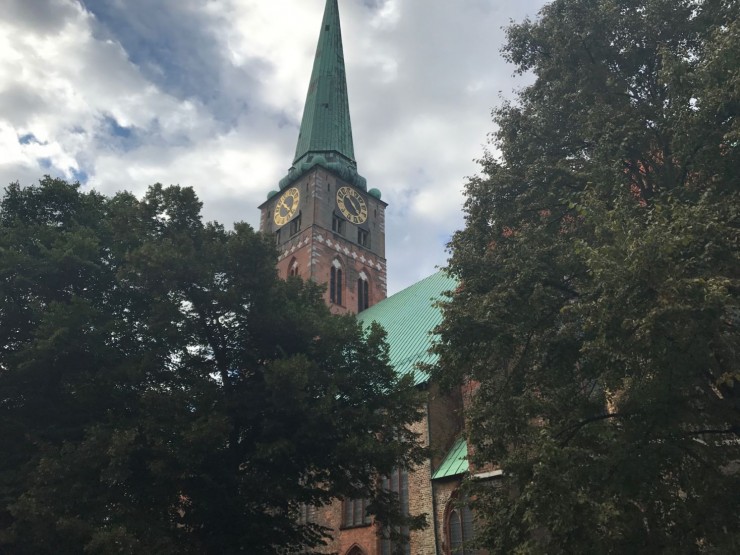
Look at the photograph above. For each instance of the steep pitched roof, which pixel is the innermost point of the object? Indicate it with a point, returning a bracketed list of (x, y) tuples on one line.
[(326, 125), (325, 138), (409, 317)]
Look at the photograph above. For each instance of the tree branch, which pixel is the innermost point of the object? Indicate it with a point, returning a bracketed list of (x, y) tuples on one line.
[(560, 287), (575, 428), (732, 430)]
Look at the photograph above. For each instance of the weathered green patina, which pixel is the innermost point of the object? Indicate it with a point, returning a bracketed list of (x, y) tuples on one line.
[(409, 317), (456, 461), (325, 138)]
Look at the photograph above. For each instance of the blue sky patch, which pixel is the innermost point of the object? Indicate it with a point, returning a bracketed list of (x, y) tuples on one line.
[(80, 175), (27, 139), (178, 50), (117, 136), (116, 129)]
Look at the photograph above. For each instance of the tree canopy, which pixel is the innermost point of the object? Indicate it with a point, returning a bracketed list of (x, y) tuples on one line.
[(162, 391), (598, 312)]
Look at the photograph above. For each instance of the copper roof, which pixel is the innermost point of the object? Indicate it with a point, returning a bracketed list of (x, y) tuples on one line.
[(409, 317)]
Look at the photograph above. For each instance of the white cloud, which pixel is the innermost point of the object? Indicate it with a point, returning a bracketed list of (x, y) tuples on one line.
[(283, 33), (210, 95), (388, 15), (59, 87)]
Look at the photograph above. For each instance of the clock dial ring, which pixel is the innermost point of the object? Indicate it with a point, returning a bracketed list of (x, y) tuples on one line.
[(287, 206), (351, 205)]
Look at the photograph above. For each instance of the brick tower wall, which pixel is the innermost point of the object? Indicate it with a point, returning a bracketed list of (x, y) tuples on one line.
[(314, 248)]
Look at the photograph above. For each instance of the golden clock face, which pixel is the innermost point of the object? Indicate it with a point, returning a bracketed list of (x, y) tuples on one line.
[(352, 205), (286, 206)]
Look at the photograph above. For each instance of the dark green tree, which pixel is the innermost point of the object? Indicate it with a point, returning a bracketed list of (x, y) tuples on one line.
[(162, 391), (599, 274)]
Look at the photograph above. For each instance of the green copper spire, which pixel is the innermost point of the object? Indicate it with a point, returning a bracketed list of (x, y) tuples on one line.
[(325, 138), (326, 125)]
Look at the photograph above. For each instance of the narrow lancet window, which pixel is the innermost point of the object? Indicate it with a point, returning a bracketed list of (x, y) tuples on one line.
[(336, 283), (363, 292)]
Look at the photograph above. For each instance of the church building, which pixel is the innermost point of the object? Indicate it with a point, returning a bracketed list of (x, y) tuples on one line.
[(331, 229), (327, 225)]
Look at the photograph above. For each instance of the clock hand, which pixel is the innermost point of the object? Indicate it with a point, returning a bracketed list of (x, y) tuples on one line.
[(354, 206)]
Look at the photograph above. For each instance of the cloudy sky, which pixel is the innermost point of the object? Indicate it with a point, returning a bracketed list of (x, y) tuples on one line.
[(119, 94)]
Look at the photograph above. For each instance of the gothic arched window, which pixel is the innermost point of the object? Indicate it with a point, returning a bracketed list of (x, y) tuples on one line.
[(293, 268), (460, 528), (336, 283), (363, 292), (306, 514), (397, 482), (354, 513)]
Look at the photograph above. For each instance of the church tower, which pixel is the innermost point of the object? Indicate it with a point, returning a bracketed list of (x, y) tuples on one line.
[(328, 227)]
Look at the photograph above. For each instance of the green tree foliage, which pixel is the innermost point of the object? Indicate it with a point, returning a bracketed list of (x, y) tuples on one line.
[(599, 276), (162, 391)]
